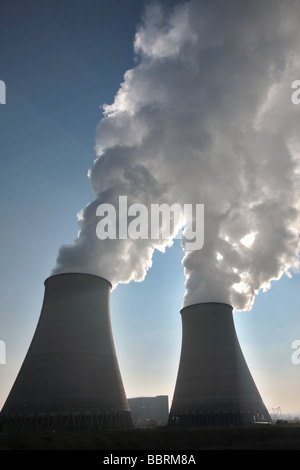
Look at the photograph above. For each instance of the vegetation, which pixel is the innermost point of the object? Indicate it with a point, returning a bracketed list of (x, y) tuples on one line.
[(272, 437)]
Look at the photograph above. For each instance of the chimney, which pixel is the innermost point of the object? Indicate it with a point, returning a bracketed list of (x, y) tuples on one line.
[(70, 378), (214, 386)]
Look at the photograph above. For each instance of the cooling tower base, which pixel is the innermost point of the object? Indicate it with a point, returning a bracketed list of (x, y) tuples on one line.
[(40, 423), (215, 419)]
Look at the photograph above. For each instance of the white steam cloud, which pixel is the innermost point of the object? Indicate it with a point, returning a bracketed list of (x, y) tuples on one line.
[(204, 117)]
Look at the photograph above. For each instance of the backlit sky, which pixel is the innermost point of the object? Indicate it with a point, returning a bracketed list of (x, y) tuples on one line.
[(61, 60)]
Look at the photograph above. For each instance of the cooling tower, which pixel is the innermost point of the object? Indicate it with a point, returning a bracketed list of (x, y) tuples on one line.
[(214, 386), (70, 378)]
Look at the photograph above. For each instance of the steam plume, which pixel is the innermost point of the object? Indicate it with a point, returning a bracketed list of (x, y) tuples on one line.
[(205, 117)]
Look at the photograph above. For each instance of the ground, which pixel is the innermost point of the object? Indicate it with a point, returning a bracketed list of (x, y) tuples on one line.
[(268, 437)]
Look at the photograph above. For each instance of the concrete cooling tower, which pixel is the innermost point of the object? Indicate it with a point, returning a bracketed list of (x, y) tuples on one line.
[(70, 378), (214, 386)]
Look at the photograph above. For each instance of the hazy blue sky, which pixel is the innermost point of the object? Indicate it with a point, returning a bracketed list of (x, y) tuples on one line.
[(61, 60)]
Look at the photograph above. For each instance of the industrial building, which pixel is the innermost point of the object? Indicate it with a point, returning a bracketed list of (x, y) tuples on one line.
[(214, 386), (149, 411), (70, 378)]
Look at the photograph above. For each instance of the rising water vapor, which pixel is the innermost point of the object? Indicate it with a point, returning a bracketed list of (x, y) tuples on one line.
[(204, 117)]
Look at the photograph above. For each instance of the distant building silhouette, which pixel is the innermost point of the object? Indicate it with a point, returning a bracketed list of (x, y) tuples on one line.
[(149, 411)]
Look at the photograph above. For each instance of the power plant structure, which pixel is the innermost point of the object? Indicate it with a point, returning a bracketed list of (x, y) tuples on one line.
[(70, 378), (214, 386)]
